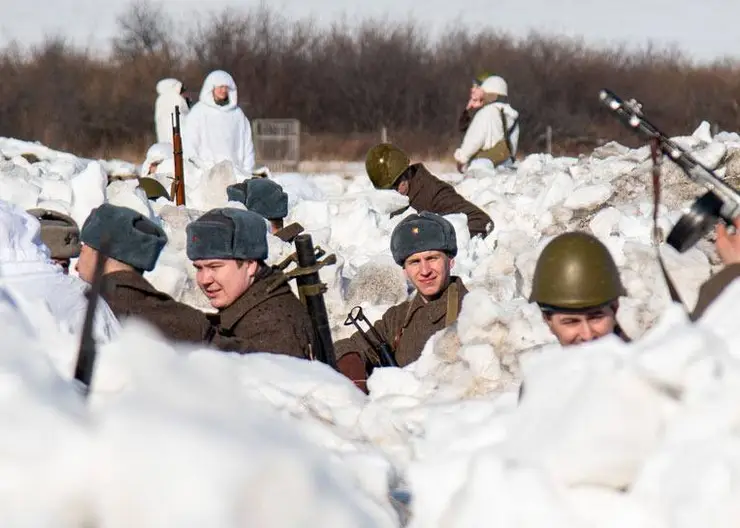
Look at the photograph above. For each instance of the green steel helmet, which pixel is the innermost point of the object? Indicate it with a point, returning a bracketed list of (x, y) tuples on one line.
[(575, 271), (481, 77), (153, 188), (385, 163)]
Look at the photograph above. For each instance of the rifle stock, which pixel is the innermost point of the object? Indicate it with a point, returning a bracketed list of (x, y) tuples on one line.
[(178, 184), (87, 351)]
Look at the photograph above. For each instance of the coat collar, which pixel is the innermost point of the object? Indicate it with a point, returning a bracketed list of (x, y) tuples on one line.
[(434, 310), (260, 290)]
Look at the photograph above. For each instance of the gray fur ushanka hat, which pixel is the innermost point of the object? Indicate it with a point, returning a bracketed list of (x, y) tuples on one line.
[(263, 196), (227, 233), (422, 232), (133, 239)]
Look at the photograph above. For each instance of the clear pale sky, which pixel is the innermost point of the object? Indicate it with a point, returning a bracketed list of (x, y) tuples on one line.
[(704, 30)]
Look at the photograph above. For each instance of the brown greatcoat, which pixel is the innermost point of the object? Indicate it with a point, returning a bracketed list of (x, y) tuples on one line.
[(268, 317), (406, 327), (429, 193), (129, 294), (713, 288)]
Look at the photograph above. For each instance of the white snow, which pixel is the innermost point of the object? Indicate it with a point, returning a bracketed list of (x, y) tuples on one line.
[(607, 434)]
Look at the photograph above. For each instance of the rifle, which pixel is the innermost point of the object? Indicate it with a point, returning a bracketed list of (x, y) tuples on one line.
[(311, 291), (178, 184), (87, 351), (384, 351), (720, 202)]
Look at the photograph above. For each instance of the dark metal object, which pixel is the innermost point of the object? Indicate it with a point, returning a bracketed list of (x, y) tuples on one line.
[(87, 351), (721, 202), (311, 291), (384, 351)]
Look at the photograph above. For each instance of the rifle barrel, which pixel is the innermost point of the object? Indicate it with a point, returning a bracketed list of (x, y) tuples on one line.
[(308, 284)]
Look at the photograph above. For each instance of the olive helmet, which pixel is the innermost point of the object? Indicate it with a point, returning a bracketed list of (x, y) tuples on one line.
[(385, 163), (575, 271), (153, 188), (478, 80)]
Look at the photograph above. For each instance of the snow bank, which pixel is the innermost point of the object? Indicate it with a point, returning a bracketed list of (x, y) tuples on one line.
[(606, 434)]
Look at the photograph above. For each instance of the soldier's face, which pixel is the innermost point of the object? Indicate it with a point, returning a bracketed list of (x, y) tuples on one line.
[(403, 187), (476, 93), (220, 93), (224, 281), (63, 263), (86, 263), (429, 271), (572, 329)]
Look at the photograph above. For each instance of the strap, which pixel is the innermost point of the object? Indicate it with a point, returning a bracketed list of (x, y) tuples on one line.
[(657, 235), (453, 303), (397, 337), (507, 132)]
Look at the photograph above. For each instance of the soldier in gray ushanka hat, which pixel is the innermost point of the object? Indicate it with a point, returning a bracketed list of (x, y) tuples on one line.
[(422, 232), (266, 198), (134, 245), (257, 310), (425, 246)]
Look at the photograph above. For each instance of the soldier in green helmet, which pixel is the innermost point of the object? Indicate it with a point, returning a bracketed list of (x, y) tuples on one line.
[(389, 168), (577, 287), (153, 188)]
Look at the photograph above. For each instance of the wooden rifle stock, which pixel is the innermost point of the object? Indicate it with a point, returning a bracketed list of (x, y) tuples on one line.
[(178, 184)]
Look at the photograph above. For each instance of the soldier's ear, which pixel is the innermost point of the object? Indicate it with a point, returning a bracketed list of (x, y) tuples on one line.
[(452, 263)]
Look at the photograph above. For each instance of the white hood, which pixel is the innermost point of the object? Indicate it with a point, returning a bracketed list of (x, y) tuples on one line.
[(219, 78), (21, 248), (214, 133), (27, 273), (157, 153), (169, 86)]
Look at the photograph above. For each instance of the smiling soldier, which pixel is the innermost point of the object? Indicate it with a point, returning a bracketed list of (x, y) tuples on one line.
[(425, 246), (577, 287)]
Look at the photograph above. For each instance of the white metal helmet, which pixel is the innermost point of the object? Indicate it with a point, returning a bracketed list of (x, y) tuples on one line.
[(495, 85)]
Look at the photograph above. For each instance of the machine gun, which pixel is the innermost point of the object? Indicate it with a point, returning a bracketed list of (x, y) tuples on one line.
[(177, 191), (311, 291), (87, 351), (720, 202), (384, 351)]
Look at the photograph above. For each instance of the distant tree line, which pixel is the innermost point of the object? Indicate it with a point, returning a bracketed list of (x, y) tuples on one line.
[(345, 82)]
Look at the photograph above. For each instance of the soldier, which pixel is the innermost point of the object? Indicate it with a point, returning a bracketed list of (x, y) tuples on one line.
[(577, 287), (492, 138), (728, 248), (60, 234), (135, 243), (153, 189), (267, 199), (216, 128), (388, 168), (425, 246), (257, 310)]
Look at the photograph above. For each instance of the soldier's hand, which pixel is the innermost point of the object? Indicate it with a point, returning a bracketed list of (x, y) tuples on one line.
[(727, 244), (460, 167)]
